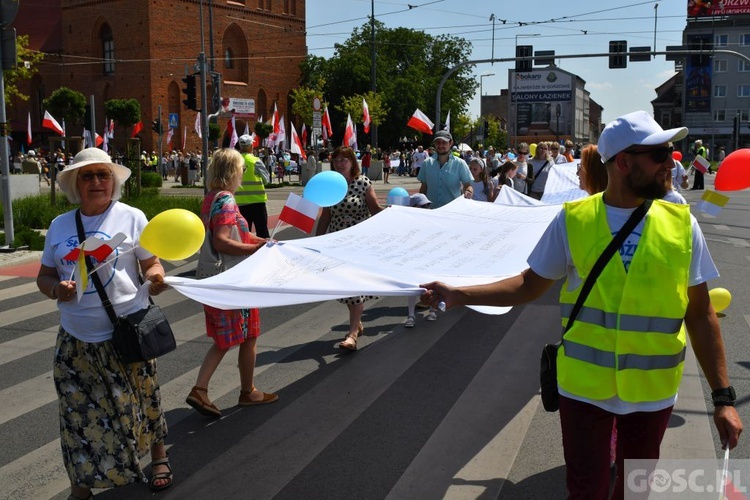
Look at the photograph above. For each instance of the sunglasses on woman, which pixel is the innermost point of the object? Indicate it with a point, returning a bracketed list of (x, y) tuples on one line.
[(89, 176), (658, 155)]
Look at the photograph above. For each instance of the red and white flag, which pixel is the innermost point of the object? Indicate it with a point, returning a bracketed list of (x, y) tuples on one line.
[(700, 164), (232, 132), (326, 122), (184, 137), (304, 135), (170, 133), (137, 129), (299, 212), (93, 247), (105, 141), (419, 121), (29, 139), (448, 122), (197, 127), (111, 132), (366, 116), (98, 140), (256, 140), (281, 135), (350, 134), (297, 146), (50, 123), (275, 120)]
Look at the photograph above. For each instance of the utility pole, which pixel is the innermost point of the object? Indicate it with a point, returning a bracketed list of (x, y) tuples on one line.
[(372, 70), (7, 15), (204, 105)]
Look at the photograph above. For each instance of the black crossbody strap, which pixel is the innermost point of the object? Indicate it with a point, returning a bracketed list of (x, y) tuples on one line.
[(604, 258), (95, 276)]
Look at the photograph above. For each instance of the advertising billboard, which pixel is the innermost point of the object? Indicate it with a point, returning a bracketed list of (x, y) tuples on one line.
[(698, 75), (542, 102), (703, 8)]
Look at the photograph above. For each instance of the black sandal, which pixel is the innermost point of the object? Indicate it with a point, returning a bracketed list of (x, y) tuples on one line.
[(168, 476)]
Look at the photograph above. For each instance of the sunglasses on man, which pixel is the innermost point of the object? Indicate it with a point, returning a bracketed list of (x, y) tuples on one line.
[(658, 155)]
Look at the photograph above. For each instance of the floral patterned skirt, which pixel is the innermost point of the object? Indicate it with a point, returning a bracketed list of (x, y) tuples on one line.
[(110, 413)]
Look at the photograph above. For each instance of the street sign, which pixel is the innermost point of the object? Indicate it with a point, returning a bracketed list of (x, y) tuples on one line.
[(174, 120), (8, 11), (317, 104), (317, 119)]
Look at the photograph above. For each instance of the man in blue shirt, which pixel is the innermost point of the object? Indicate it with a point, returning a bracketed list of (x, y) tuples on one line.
[(443, 176)]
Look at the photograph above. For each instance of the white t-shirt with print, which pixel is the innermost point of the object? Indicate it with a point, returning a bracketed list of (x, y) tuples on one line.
[(551, 259), (87, 320)]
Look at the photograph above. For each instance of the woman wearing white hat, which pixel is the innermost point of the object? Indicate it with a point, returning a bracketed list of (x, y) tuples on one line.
[(110, 413)]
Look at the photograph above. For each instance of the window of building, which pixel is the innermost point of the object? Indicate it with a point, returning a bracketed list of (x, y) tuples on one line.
[(743, 65), (720, 65), (108, 50), (743, 90), (286, 6), (228, 59), (721, 40), (720, 90), (745, 39), (720, 115), (666, 119), (744, 115)]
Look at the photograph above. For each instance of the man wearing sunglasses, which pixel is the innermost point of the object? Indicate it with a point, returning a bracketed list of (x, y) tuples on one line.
[(622, 359)]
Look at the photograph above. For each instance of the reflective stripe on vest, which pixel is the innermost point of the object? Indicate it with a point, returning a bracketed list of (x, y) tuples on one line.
[(627, 321), (628, 340), (251, 190)]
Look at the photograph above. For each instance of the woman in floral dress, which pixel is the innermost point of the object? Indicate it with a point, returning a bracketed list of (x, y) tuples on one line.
[(359, 204)]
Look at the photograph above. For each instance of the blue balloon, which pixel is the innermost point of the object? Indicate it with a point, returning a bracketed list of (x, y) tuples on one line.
[(511, 156), (398, 196), (326, 188)]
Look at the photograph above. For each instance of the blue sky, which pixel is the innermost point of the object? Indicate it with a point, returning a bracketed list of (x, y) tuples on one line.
[(580, 27)]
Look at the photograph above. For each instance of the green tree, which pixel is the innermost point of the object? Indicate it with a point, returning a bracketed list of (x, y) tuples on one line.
[(125, 112), (302, 98), (461, 126), (66, 104), (353, 106), (496, 136), (263, 130), (24, 58), (410, 65)]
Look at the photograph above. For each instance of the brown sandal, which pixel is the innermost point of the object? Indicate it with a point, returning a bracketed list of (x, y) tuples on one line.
[(349, 343), (268, 397), (201, 403)]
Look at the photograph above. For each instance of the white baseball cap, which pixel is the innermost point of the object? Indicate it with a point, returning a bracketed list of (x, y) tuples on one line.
[(635, 129), (245, 140)]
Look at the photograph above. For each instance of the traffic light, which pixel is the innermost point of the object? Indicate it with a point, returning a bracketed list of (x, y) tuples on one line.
[(524, 51), (156, 125), (617, 51), (189, 91)]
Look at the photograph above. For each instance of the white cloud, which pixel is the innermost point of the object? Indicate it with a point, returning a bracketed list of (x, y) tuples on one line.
[(599, 86)]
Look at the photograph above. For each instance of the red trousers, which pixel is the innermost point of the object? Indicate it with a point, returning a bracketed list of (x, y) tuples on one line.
[(587, 432)]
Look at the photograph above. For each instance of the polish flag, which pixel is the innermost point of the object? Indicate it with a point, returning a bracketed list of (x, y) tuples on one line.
[(50, 123), (98, 140), (105, 141), (281, 135), (299, 212), (350, 134), (137, 129), (297, 146), (304, 135), (184, 137), (170, 133), (419, 121), (700, 164), (197, 127), (256, 140), (366, 116), (111, 132), (91, 247), (232, 132), (326, 122), (447, 127), (29, 139), (275, 120)]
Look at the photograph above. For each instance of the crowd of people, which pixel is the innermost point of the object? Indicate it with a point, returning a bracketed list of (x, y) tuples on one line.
[(111, 414)]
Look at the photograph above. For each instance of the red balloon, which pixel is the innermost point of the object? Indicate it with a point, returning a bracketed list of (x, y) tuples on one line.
[(734, 172), (676, 155)]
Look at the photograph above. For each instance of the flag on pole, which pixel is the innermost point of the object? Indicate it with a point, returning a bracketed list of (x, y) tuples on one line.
[(281, 135), (98, 140), (447, 127), (197, 127), (275, 119), (184, 137), (350, 134), (247, 128), (256, 140), (232, 132), (29, 139), (712, 202), (420, 122), (170, 133), (304, 135), (111, 131), (700, 164), (366, 116), (297, 146), (87, 142), (137, 129), (299, 212), (50, 123), (91, 247), (105, 141), (326, 122)]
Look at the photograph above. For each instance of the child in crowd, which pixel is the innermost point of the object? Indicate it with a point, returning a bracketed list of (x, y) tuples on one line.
[(507, 172), (484, 187)]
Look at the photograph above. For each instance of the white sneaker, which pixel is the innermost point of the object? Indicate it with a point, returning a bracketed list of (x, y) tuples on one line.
[(432, 315), (409, 323)]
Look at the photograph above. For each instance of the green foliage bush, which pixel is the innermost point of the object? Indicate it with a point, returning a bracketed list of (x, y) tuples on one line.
[(150, 180)]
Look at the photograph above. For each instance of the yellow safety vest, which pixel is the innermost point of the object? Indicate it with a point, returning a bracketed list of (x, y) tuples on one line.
[(252, 189), (628, 339)]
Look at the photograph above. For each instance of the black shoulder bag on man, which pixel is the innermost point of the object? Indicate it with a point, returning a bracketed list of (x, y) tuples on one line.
[(139, 336), (548, 368)]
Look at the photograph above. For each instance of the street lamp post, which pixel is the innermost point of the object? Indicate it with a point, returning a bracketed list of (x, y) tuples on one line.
[(481, 78)]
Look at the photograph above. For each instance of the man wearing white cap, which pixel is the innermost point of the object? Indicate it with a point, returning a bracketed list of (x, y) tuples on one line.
[(251, 195), (621, 361)]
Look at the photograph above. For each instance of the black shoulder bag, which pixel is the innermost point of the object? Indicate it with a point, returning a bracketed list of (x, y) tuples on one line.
[(139, 336), (548, 368)]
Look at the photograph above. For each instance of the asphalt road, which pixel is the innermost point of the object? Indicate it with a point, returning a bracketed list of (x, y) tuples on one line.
[(449, 409)]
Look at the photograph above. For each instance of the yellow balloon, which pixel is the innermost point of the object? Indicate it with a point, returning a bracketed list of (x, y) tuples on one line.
[(532, 149), (720, 298), (174, 234)]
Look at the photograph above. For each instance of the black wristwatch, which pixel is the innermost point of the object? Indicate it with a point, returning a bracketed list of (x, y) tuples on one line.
[(724, 397)]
